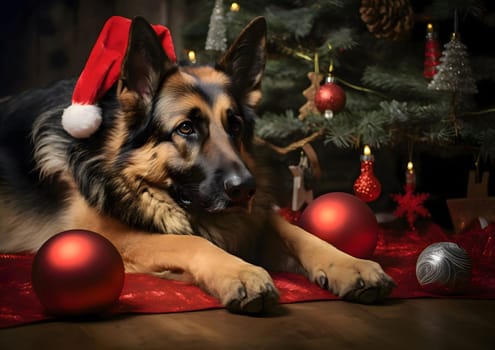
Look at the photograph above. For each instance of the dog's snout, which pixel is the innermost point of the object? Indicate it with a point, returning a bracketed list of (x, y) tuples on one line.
[(240, 189)]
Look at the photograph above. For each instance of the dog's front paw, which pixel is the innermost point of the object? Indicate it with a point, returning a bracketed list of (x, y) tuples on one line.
[(247, 289), (356, 280)]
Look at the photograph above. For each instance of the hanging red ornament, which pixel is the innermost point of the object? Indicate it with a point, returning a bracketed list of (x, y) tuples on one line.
[(344, 221), (432, 53), (330, 98), (77, 273), (367, 187)]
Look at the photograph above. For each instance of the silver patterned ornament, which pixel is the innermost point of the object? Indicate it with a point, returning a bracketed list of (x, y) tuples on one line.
[(444, 268), (454, 72), (217, 38)]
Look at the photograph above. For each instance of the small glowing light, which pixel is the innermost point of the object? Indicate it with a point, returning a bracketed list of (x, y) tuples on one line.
[(429, 27), (191, 55), (410, 166), (235, 7), (367, 150)]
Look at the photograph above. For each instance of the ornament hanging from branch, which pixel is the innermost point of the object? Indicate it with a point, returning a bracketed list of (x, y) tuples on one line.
[(454, 72), (410, 204), (315, 77), (309, 107), (217, 39), (432, 53), (330, 98), (367, 187)]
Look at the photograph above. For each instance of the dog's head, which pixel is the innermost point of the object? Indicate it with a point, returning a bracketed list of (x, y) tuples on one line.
[(184, 133)]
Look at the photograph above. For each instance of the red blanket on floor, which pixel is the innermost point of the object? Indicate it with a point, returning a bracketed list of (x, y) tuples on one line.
[(397, 251)]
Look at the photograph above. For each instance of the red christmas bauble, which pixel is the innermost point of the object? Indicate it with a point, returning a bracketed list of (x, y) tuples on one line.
[(344, 221), (367, 187), (77, 272), (331, 97)]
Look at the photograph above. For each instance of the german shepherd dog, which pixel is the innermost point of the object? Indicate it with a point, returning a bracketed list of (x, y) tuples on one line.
[(170, 178)]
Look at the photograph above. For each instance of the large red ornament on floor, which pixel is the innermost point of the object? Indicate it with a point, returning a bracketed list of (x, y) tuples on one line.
[(344, 221), (77, 273)]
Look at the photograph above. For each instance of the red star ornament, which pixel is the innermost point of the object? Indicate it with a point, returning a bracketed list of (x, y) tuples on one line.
[(411, 205)]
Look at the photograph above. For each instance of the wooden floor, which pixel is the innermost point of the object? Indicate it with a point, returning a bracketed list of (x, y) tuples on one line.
[(405, 324)]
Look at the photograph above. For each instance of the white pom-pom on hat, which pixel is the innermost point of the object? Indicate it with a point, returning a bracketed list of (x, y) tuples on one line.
[(102, 70), (81, 121)]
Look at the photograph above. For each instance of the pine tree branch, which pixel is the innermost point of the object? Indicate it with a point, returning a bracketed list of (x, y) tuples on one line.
[(289, 148), (477, 113)]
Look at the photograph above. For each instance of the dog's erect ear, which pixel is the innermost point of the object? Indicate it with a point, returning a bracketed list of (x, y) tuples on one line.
[(145, 62), (244, 62)]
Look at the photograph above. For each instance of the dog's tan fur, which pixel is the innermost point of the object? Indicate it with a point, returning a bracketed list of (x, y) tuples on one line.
[(224, 249)]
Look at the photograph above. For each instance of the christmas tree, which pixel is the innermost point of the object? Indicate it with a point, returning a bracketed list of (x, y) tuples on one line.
[(375, 51)]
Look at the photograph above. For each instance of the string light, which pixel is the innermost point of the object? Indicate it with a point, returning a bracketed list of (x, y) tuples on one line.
[(410, 166), (191, 55), (367, 150), (235, 7)]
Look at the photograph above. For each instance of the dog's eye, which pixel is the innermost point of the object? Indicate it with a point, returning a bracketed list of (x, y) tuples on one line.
[(185, 128), (235, 123)]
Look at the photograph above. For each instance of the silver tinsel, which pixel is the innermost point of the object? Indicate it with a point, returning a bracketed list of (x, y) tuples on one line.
[(454, 72), (217, 39)]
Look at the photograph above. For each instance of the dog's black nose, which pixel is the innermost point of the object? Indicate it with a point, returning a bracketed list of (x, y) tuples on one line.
[(240, 189)]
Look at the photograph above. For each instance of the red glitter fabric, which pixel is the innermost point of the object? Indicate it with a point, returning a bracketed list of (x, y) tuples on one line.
[(397, 251)]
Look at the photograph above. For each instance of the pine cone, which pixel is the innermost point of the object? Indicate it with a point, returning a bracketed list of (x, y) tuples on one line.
[(387, 19)]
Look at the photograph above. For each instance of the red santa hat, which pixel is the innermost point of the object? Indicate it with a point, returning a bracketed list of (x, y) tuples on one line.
[(102, 70)]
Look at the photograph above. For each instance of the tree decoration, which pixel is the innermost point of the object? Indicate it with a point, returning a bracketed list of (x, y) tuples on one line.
[(387, 19), (444, 268), (432, 53), (367, 187), (411, 205), (309, 107), (191, 56), (300, 193), (394, 102), (410, 176), (315, 78), (454, 72), (330, 98), (235, 7), (217, 39)]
